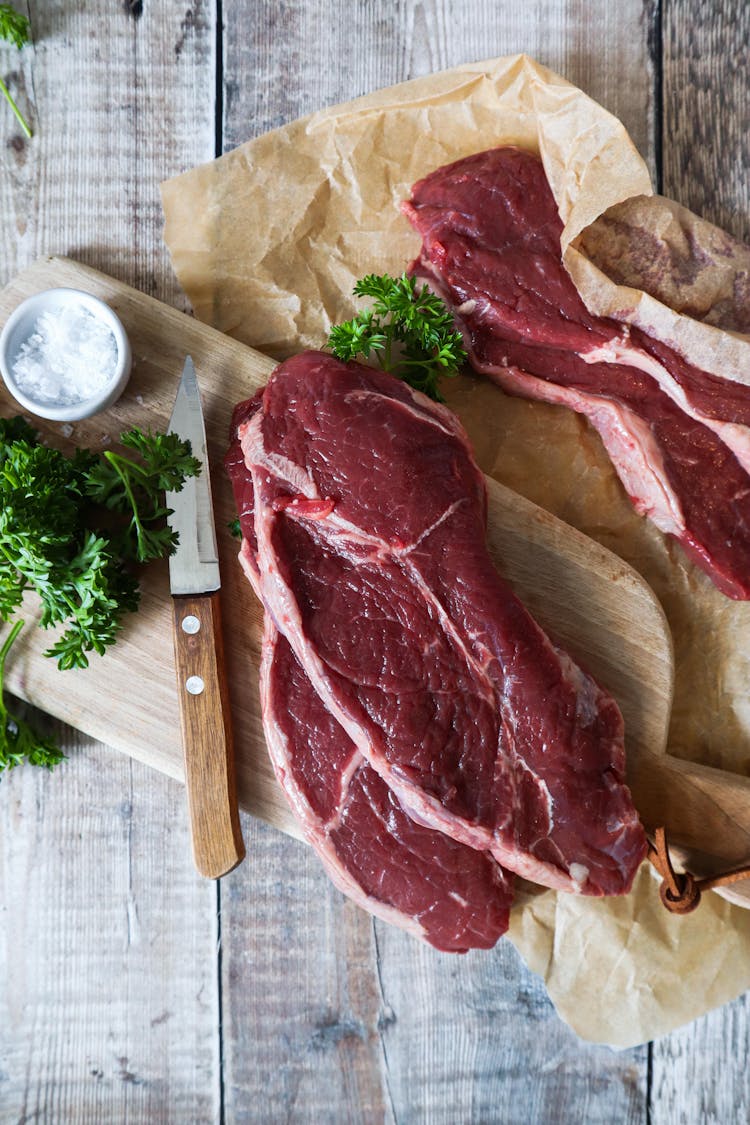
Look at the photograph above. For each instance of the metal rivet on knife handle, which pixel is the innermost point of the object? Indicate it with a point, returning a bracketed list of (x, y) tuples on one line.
[(207, 736), (190, 624)]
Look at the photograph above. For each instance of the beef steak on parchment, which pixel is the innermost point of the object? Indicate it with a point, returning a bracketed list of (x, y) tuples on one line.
[(415, 877), (677, 436), (368, 550)]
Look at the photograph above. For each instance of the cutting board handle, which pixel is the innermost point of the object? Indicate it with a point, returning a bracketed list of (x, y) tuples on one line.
[(695, 796)]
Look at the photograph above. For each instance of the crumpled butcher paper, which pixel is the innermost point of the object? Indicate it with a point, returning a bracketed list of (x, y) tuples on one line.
[(268, 241)]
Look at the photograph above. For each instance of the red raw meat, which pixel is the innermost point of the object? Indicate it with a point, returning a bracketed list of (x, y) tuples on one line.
[(454, 897), (369, 529), (415, 877), (678, 436)]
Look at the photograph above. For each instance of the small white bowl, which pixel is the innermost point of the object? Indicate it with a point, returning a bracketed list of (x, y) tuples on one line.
[(20, 326)]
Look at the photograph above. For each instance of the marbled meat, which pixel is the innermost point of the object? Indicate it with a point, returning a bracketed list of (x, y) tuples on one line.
[(364, 519), (678, 437), (412, 876)]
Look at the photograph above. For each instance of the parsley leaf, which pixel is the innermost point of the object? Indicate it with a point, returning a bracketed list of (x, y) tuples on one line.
[(409, 330), (70, 530), (19, 741), (14, 27), (136, 488)]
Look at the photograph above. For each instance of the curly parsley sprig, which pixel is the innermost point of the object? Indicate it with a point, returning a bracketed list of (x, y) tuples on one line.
[(19, 741), (70, 530), (409, 330), (136, 488), (14, 27)]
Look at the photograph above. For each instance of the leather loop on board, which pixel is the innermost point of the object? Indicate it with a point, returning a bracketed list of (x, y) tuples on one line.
[(680, 892)]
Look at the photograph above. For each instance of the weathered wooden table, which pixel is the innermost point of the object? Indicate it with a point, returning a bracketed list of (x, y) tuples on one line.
[(130, 989)]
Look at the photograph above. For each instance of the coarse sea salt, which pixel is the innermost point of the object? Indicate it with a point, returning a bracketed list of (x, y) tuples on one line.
[(70, 356)]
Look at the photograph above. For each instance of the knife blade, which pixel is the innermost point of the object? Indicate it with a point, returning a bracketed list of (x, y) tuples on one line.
[(205, 716)]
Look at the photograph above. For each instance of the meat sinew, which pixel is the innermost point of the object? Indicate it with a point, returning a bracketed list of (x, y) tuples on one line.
[(369, 535), (415, 877), (439, 889), (678, 436)]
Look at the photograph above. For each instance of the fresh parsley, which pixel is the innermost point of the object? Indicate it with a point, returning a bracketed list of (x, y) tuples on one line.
[(14, 27), (19, 742), (135, 489), (71, 529), (409, 330)]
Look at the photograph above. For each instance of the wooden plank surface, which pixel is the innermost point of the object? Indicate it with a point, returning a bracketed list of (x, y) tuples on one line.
[(109, 1004), (706, 131), (326, 1016), (448, 1041), (371, 1026), (109, 1000), (706, 110)]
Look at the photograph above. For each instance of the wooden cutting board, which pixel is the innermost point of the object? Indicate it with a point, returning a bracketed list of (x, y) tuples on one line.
[(587, 598)]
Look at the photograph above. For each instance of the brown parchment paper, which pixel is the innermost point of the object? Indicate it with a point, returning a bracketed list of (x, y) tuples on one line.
[(268, 242), (694, 267)]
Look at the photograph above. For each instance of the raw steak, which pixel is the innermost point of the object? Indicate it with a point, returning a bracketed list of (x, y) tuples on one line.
[(678, 436), (454, 897), (415, 877), (370, 518)]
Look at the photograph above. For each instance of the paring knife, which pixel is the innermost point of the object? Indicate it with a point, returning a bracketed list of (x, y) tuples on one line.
[(199, 655)]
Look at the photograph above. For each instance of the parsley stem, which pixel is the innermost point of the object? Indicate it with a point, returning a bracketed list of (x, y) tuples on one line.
[(114, 462), (7, 644), (116, 459), (3, 657), (425, 363), (21, 120)]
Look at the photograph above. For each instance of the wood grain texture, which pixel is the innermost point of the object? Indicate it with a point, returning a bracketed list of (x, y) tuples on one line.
[(113, 115), (441, 1039), (337, 51), (481, 1028), (371, 1026), (695, 1074), (109, 1006), (207, 741), (322, 1011), (706, 110), (109, 999), (307, 1046)]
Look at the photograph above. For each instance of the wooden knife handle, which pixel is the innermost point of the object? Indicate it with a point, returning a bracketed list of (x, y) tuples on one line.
[(207, 735)]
